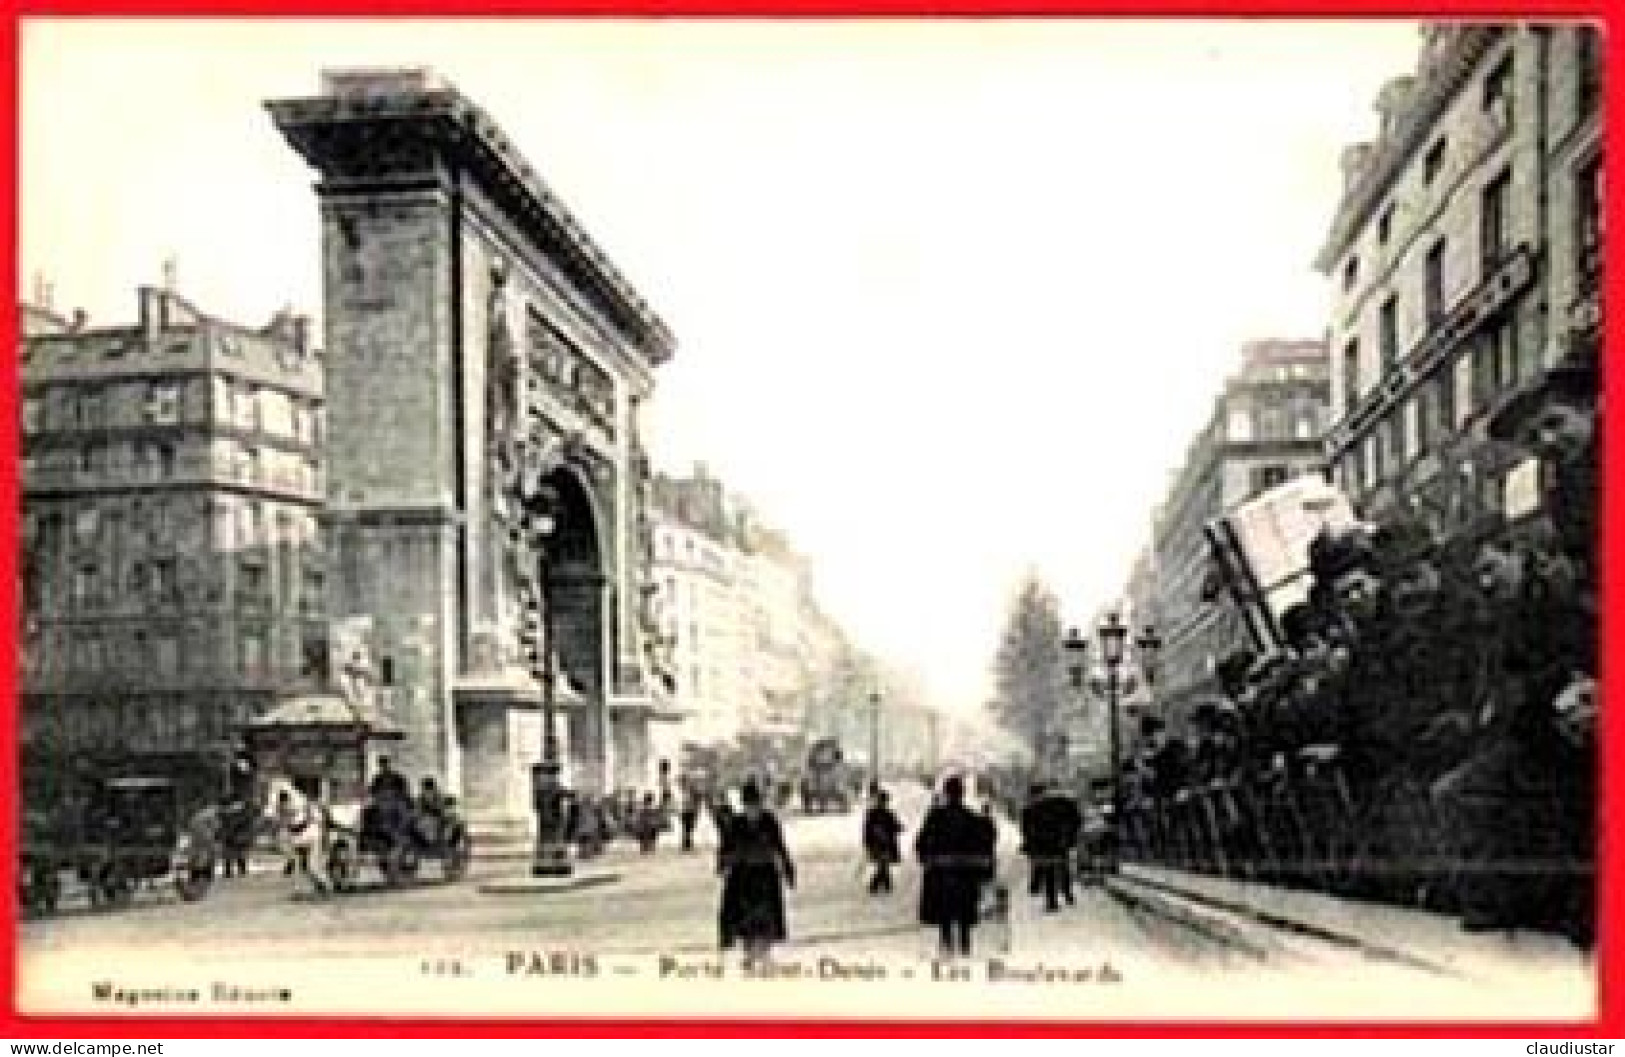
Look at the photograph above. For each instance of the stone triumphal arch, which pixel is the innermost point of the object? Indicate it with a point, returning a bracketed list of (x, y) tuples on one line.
[(486, 365)]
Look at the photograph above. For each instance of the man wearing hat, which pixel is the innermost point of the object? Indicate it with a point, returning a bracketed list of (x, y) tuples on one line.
[(1555, 419)]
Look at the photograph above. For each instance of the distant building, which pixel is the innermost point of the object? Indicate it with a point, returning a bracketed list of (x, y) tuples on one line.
[(735, 603), (696, 567), (1464, 257), (1265, 427), (172, 569)]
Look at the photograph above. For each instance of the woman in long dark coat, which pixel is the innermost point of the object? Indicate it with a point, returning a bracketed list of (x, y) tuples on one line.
[(756, 868), (956, 846)]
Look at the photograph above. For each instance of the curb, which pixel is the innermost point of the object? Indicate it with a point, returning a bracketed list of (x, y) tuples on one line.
[(1176, 911), (1375, 951)]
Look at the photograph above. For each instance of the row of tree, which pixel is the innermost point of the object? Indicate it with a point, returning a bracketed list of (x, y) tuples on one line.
[(1033, 698)]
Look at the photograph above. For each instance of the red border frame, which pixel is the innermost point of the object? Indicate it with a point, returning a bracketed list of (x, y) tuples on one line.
[(1611, 851)]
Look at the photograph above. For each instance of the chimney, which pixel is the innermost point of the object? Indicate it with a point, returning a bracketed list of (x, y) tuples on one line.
[(170, 269), (301, 334), (1353, 162), (152, 314), (80, 318)]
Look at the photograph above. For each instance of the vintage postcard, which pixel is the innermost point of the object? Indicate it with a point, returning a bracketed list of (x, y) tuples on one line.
[(1018, 520)]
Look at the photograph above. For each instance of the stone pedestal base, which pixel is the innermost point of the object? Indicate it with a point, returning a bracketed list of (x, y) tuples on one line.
[(499, 727)]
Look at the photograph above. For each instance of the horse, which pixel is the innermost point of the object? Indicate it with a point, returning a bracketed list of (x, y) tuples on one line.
[(304, 827)]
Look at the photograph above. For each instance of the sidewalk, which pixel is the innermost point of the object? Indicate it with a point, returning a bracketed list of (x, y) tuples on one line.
[(1378, 931)]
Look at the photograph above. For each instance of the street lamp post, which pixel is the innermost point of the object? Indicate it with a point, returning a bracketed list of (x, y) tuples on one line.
[(874, 739), (1076, 648), (552, 858), (1112, 635)]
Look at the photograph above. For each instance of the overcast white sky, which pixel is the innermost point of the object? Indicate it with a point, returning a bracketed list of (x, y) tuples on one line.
[(951, 296)]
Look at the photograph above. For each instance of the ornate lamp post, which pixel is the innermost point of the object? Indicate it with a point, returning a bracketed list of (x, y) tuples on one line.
[(552, 858), (1113, 634)]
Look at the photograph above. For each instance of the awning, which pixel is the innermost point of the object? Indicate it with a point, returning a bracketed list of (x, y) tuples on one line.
[(323, 712)]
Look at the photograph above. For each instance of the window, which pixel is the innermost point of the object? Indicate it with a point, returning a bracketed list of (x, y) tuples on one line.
[(1351, 272), (1487, 362), (245, 408), (251, 578), (1266, 477), (163, 405), (1498, 90), (1402, 433), (1426, 408), (1385, 224), (1305, 424), (1433, 289), (1351, 374), (248, 525), (86, 524), (88, 410), (1588, 89), (314, 593), (163, 583), (1588, 219), (253, 653), (1240, 426), (1388, 332), (93, 651), (1433, 164), (1507, 368), (1494, 221), (1463, 388), (33, 414), (1444, 399), (84, 585)]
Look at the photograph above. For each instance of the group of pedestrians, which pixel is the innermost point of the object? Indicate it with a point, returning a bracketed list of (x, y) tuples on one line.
[(956, 847)]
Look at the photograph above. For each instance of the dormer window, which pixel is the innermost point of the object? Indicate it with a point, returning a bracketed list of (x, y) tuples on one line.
[(1351, 272), (1385, 225)]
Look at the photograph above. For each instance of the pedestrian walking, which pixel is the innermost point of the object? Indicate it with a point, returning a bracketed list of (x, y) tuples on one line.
[(756, 868), (881, 830), (1049, 833), (688, 815), (647, 824), (956, 847)]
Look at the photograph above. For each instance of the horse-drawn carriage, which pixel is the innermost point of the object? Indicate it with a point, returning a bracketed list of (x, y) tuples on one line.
[(397, 835), (127, 833)]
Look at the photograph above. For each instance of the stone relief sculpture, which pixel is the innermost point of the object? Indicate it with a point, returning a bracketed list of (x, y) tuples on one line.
[(504, 368), (656, 646), (352, 666)]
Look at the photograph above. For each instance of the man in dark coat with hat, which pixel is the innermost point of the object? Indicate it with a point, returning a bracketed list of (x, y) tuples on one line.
[(956, 847), (1514, 803), (756, 868), (1049, 833), (881, 830)]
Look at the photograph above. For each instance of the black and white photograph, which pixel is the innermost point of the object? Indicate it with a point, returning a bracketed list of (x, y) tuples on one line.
[(926, 518)]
